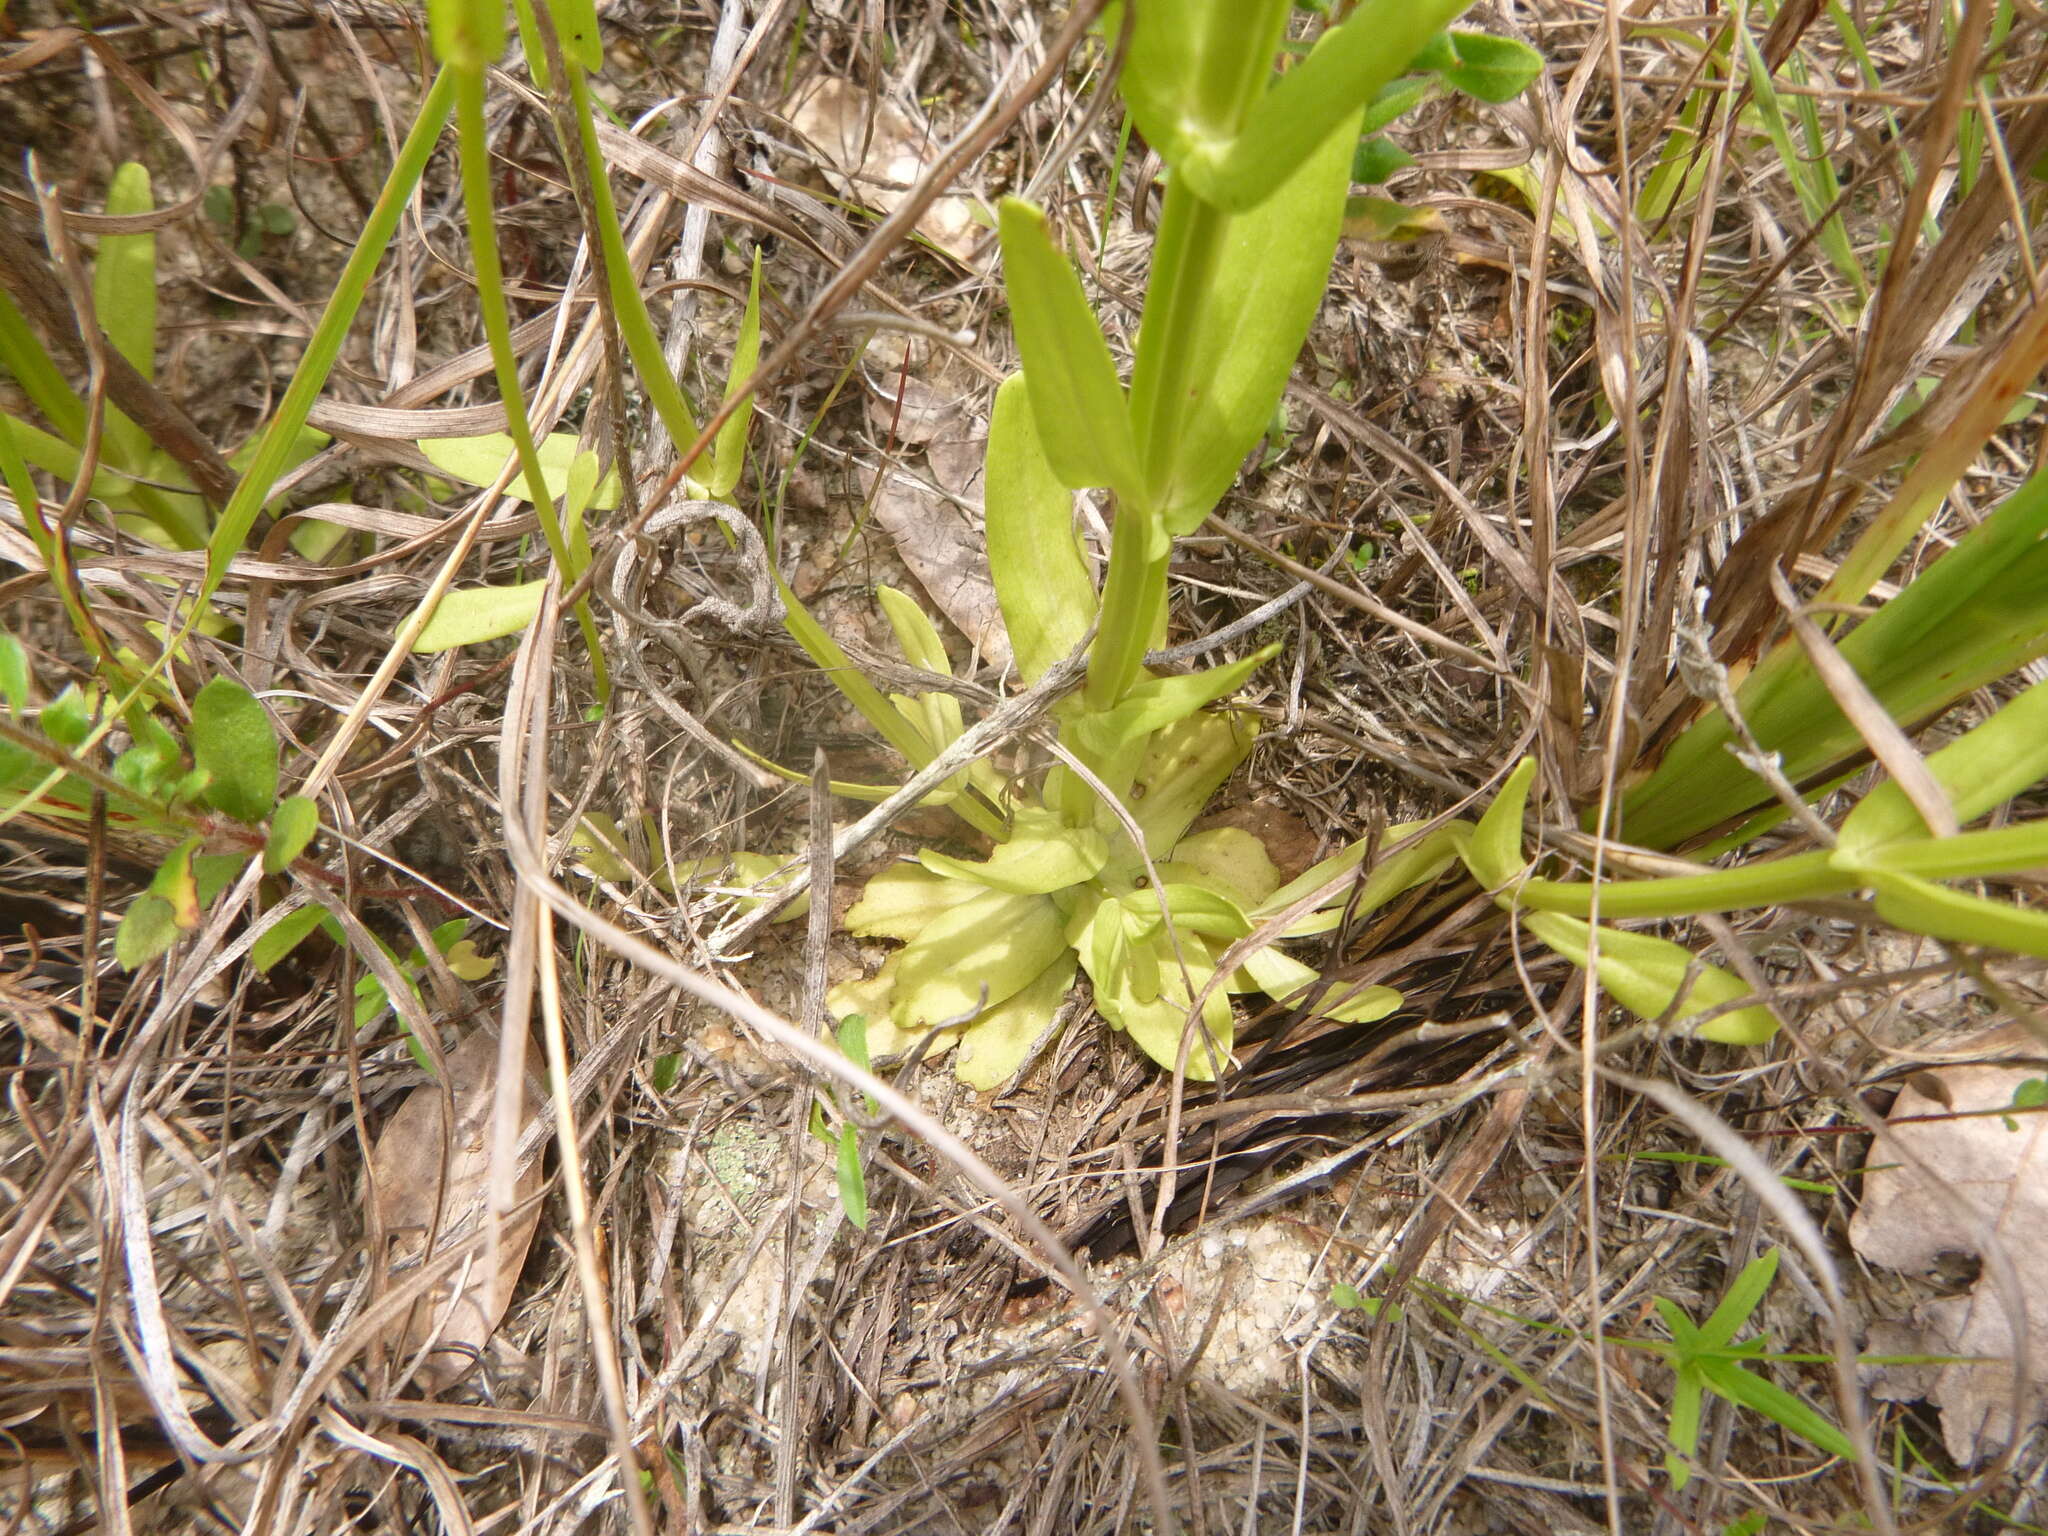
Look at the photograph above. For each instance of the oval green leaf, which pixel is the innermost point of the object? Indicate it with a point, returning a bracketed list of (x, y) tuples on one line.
[(233, 743)]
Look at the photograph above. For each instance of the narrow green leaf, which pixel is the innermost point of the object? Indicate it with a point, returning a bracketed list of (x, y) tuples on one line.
[(1495, 852), (1376, 158), (1231, 300), (1645, 974), (1323, 96), (281, 435), (124, 295), (233, 742), (576, 25), (1393, 99), (14, 674), (853, 1183), (1750, 1391), (1980, 770), (479, 460), (915, 633), (1741, 1301), (284, 936), (146, 931), (23, 355), (1163, 701), (291, 829), (729, 449), (472, 615), (1967, 618), (1041, 578), (1084, 425), (1942, 913)]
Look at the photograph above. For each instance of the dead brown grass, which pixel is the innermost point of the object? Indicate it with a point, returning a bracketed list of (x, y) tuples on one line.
[(1535, 436)]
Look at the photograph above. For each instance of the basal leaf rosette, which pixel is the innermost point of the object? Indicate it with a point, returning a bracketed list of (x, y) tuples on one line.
[(990, 949)]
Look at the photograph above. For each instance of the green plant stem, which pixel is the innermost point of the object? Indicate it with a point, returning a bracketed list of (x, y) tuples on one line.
[(310, 377), (636, 328), (1164, 381), (490, 285), (1801, 877)]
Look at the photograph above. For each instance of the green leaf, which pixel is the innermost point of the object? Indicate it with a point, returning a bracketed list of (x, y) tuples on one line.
[(904, 899), (174, 885), (472, 615), (1493, 69), (14, 674), (1495, 852), (853, 1183), (1156, 1023), (1376, 158), (1392, 100), (729, 449), (285, 935), (233, 742), (915, 633), (124, 294), (1322, 97), (1286, 980), (1164, 701), (1041, 578), (68, 719), (1241, 325), (1941, 913), (146, 931), (1184, 765), (1042, 855), (1391, 875), (1980, 771), (995, 1045), (1969, 617), (1645, 975), (291, 829), (576, 23), (1750, 1391), (1227, 859), (469, 34), (478, 461), (997, 940), (1741, 1301), (213, 873), (1084, 425)]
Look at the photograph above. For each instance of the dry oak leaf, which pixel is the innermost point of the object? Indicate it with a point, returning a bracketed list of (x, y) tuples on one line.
[(460, 1312), (936, 525), (1991, 1173), (874, 153)]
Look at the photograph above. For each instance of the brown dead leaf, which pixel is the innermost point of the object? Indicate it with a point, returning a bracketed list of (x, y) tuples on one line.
[(933, 513), (874, 153), (460, 1313), (1990, 1167)]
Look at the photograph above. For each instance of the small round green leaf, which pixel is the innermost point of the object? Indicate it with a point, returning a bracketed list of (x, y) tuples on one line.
[(145, 932), (297, 819), (232, 741)]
